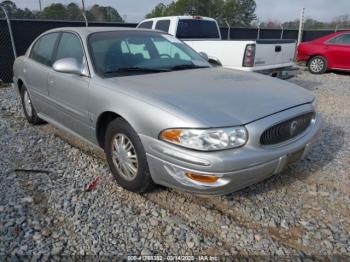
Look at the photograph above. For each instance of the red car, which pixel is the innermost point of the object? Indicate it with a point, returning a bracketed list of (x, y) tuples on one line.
[(331, 52)]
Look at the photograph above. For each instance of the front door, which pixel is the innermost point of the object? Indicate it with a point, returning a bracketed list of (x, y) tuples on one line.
[(69, 92)]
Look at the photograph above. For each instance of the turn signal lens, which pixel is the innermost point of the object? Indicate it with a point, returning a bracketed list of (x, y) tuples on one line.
[(201, 178), (171, 135)]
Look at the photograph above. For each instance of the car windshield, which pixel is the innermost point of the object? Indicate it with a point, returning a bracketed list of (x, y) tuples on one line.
[(140, 52)]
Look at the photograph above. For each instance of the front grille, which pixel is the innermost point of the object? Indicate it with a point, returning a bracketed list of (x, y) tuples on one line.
[(286, 130)]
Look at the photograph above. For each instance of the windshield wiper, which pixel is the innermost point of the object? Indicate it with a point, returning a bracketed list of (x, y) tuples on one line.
[(187, 66), (135, 69)]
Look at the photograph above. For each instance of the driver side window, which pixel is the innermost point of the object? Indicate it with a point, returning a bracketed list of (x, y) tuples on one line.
[(70, 47)]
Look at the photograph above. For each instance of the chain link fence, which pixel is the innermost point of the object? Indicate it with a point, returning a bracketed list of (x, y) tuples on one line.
[(6, 53)]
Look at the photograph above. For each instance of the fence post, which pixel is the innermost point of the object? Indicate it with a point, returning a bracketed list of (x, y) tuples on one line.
[(10, 31), (228, 30), (301, 25), (258, 36), (282, 31), (84, 13)]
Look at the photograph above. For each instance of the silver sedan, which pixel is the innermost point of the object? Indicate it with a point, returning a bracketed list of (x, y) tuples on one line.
[(161, 113)]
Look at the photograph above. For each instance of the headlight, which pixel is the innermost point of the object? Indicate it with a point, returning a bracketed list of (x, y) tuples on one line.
[(206, 139)]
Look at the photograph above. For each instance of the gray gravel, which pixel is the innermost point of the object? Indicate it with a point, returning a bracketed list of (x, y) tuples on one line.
[(45, 210)]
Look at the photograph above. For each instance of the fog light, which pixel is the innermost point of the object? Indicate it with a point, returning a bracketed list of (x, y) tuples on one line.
[(201, 178)]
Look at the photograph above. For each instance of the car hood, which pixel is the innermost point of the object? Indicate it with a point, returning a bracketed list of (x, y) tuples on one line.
[(215, 96)]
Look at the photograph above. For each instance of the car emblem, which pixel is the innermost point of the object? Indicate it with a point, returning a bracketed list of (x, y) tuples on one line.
[(293, 127)]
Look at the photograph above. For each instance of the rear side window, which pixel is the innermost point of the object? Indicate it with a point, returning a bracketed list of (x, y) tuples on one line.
[(70, 47), (146, 25), (190, 28), (163, 25), (340, 40), (43, 49)]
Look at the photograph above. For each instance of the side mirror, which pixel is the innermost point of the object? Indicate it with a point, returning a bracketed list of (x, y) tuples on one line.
[(68, 66), (204, 55)]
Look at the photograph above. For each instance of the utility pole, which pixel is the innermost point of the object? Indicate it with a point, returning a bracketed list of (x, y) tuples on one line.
[(40, 7), (301, 26)]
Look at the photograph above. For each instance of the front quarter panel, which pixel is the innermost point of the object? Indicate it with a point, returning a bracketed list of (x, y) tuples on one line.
[(145, 118)]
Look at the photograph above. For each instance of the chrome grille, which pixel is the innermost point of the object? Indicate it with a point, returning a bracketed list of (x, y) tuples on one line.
[(286, 130)]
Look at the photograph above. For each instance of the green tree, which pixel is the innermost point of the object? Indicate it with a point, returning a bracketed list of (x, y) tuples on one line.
[(74, 12), (54, 12), (15, 12), (235, 12), (102, 13), (158, 11)]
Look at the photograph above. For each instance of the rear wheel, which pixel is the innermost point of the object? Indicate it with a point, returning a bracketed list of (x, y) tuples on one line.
[(28, 108), (317, 65), (126, 157)]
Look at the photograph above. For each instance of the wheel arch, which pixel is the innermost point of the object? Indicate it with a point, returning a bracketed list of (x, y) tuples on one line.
[(103, 120), (19, 85)]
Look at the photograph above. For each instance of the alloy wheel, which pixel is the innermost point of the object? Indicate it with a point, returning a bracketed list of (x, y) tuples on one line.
[(124, 156), (317, 65)]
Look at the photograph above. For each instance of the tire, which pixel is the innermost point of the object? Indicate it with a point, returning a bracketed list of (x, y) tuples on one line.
[(28, 109), (128, 165), (317, 65)]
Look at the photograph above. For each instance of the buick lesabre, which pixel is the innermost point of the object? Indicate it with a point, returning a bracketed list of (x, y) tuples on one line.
[(161, 113)]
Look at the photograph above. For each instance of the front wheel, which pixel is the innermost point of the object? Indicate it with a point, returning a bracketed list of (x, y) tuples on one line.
[(317, 65), (126, 157)]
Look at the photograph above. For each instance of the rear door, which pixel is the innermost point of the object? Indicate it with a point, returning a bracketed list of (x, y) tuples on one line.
[(274, 52), (338, 52), (36, 70), (69, 92)]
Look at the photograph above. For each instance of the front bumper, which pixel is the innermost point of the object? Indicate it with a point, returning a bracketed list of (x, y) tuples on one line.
[(236, 168)]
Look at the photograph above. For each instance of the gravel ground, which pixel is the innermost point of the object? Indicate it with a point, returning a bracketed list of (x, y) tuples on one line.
[(45, 210)]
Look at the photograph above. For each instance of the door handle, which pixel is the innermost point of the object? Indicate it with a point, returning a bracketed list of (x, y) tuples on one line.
[(51, 81), (278, 48)]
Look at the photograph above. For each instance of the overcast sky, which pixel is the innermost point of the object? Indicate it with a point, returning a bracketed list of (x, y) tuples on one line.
[(282, 10)]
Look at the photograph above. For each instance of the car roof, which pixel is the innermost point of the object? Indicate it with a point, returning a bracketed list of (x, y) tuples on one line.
[(85, 31), (329, 36)]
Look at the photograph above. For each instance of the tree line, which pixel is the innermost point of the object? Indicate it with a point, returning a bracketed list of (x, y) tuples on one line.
[(239, 13), (59, 11), (233, 12), (339, 22)]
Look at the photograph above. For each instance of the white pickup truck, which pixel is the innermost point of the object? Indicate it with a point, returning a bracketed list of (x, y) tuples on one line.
[(271, 57)]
